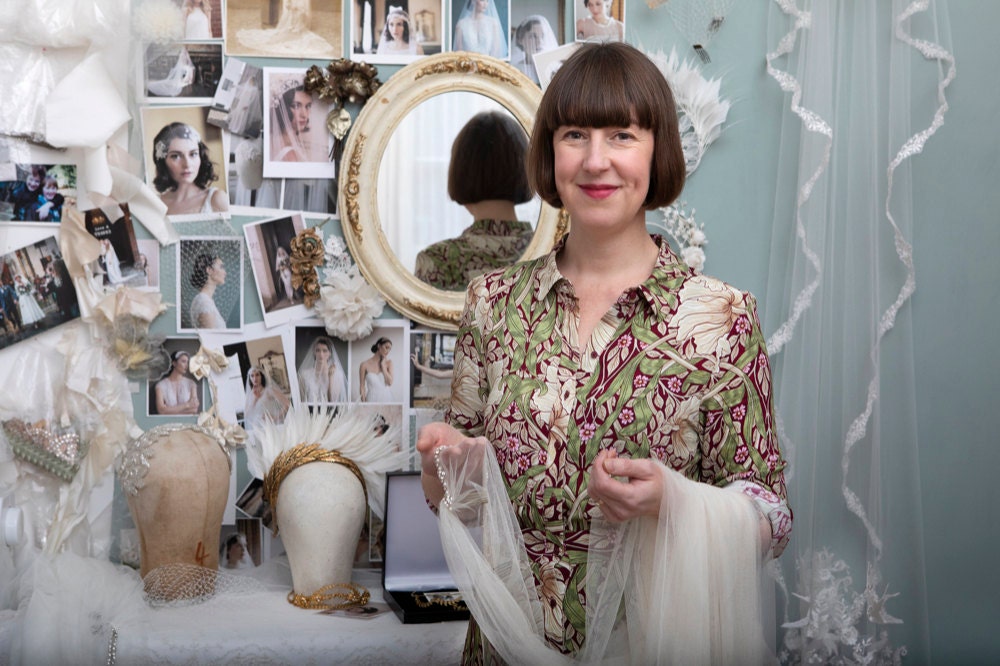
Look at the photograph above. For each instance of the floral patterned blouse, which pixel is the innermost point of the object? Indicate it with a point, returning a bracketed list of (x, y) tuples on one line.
[(676, 370), (484, 246)]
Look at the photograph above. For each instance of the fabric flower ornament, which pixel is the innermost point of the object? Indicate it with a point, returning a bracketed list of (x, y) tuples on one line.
[(348, 305), (307, 255)]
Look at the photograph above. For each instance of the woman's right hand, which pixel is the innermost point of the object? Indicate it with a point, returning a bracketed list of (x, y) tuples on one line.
[(432, 437)]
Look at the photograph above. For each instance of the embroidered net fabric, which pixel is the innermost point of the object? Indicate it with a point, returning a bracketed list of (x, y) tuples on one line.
[(688, 582), (180, 584)]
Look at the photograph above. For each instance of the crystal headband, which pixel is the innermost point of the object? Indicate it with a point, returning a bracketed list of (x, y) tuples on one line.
[(185, 132)]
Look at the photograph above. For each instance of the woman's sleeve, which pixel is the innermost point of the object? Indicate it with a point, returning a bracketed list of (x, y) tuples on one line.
[(739, 443), (468, 384)]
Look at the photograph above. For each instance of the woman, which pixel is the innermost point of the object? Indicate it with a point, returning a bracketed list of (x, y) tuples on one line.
[(246, 114), (396, 34), (588, 376), (26, 194), (197, 19), (176, 392), (376, 373), (321, 378), (207, 275), (283, 266), (180, 76), (533, 35), (291, 37), (265, 403), (112, 266), (292, 135), (234, 553), (184, 172), (30, 312), (486, 175), (599, 25), (478, 29)]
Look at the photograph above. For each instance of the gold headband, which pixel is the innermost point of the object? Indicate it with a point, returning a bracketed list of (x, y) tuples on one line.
[(301, 455)]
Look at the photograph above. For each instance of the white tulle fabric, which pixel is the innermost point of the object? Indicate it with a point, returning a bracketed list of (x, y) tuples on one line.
[(841, 274), (688, 582)]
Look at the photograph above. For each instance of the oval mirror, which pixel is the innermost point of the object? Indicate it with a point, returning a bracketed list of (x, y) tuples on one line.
[(394, 200)]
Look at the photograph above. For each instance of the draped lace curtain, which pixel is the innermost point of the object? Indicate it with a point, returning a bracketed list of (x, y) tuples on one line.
[(865, 87)]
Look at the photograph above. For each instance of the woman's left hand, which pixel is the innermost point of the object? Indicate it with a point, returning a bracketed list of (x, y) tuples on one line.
[(638, 494)]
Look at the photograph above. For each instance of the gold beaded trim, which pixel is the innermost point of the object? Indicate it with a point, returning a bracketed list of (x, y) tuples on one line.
[(322, 598), (449, 599), (301, 455)]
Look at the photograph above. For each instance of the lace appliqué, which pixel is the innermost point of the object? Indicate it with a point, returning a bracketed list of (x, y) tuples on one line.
[(134, 463)]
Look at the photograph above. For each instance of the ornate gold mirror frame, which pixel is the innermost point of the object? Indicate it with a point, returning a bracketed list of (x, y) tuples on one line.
[(411, 85)]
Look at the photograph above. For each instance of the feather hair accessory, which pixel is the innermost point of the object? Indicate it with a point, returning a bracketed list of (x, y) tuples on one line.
[(701, 111), (356, 434)]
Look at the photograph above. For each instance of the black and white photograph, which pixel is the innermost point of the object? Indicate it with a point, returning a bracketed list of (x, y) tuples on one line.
[(238, 104), (380, 366), (534, 28), (320, 362), (209, 283), (297, 143), (185, 161), (36, 292), (183, 73), (382, 32), (269, 247), (36, 192), (176, 392), (284, 29)]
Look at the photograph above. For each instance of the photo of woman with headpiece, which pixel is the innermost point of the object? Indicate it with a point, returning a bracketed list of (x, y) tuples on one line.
[(321, 376), (597, 23), (297, 141), (234, 554), (397, 37), (185, 173), (265, 402), (479, 29), (209, 284), (176, 392), (208, 273), (533, 35)]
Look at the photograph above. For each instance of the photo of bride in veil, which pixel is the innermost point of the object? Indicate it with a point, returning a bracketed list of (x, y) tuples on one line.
[(289, 29)]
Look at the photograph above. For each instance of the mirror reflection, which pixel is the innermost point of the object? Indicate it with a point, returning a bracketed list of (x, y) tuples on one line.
[(483, 216)]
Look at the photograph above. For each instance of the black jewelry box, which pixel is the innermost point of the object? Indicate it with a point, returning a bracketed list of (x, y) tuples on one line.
[(413, 566)]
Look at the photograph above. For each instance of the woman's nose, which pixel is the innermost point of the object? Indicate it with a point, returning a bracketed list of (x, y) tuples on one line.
[(596, 158)]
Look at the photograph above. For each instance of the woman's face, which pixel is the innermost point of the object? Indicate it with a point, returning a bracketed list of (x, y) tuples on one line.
[(480, 5), (596, 8), (396, 27), (217, 272), (301, 107), (321, 353), (50, 190), (531, 40), (254, 378), (32, 181), (181, 364), (235, 553), (602, 173), (183, 160), (384, 348)]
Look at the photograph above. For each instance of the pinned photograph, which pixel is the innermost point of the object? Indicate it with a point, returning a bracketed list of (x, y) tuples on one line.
[(297, 29), (532, 33), (547, 63), (320, 361), (182, 73), (481, 27), (202, 19), (380, 366), (210, 284), (121, 261), (36, 292), (176, 392), (387, 33), (36, 192), (185, 161), (238, 104), (297, 143), (269, 246), (266, 381), (600, 20), (432, 356)]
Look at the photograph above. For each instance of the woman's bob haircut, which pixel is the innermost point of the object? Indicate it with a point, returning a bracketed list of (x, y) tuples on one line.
[(609, 84)]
